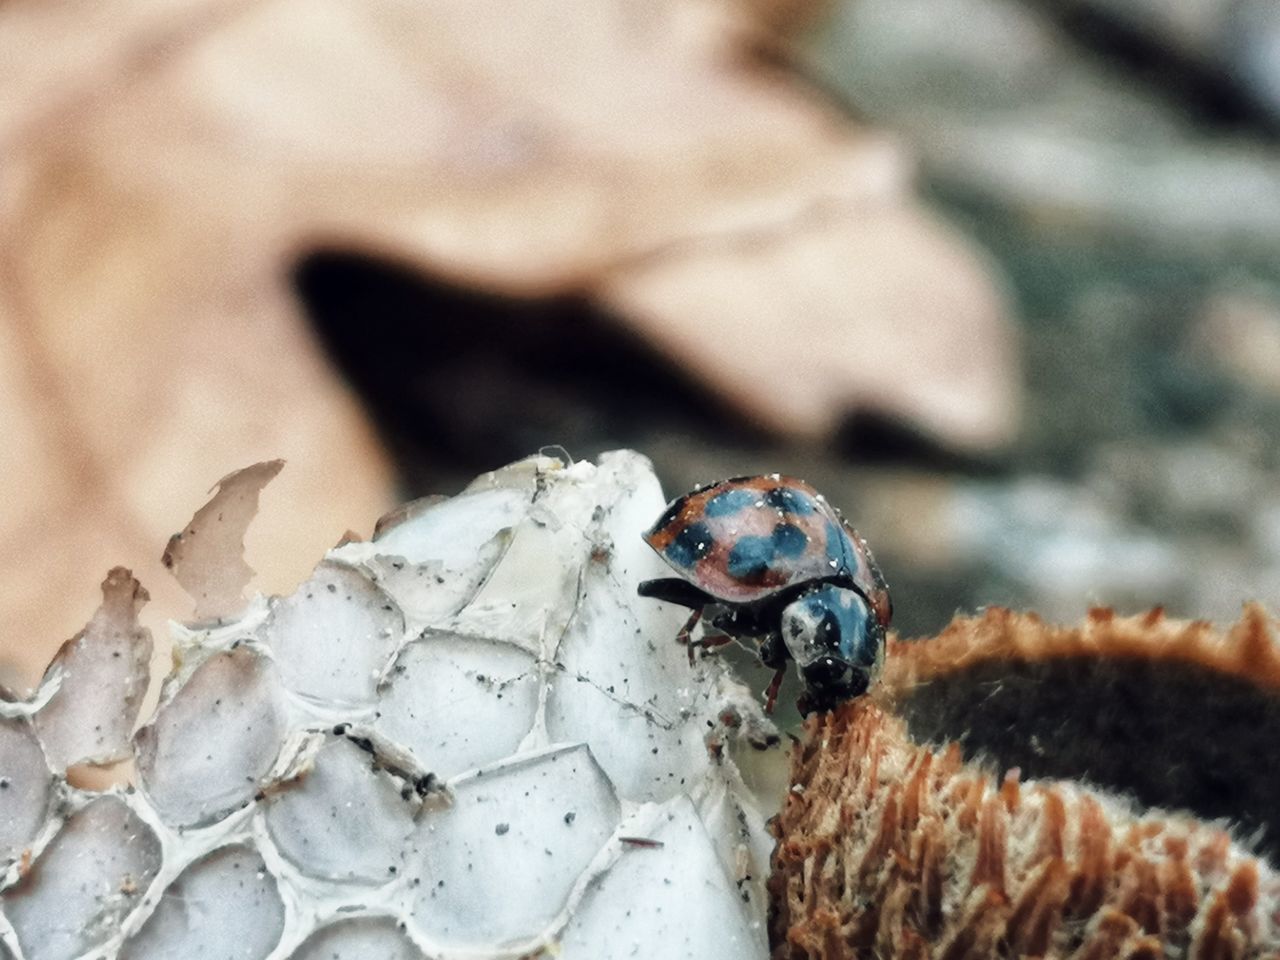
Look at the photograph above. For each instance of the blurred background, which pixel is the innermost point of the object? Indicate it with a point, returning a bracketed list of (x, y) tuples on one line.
[(1000, 277)]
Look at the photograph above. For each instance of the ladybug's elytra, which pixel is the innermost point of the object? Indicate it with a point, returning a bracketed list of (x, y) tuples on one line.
[(768, 558)]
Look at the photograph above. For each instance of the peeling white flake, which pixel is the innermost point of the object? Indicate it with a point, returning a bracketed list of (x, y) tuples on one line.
[(103, 674)]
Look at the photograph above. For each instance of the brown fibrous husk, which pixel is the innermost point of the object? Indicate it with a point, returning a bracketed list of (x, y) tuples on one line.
[(1176, 714), (891, 849)]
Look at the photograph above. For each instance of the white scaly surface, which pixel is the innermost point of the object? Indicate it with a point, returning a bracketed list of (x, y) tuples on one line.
[(466, 738)]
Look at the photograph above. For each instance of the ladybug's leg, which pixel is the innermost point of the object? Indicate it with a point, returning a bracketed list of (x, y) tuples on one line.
[(771, 694), (674, 590), (687, 629), (707, 643), (772, 651)]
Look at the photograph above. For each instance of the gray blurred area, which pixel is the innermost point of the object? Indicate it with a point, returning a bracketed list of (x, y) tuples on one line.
[(1119, 158)]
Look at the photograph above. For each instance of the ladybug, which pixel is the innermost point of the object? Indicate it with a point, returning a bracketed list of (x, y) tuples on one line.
[(768, 558)]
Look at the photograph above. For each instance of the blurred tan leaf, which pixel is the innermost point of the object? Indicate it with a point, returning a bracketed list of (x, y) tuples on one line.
[(164, 164)]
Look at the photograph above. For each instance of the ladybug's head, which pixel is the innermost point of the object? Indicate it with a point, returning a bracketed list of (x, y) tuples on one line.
[(836, 642)]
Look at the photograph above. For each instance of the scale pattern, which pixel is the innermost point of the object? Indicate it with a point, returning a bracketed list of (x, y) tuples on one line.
[(448, 740)]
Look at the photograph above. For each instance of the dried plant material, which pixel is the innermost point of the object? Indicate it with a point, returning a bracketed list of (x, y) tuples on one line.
[(115, 416), (333, 636), (380, 937), (26, 788), (1173, 712), (88, 879), (364, 814), (207, 557), (673, 751), (325, 777), (679, 897), (436, 556), (232, 706), (851, 297), (444, 675), (510, 812), (1249, 650), (401, 514), (780, 20), (53, 74), (891, 850), (102, 676), (226, 901)]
